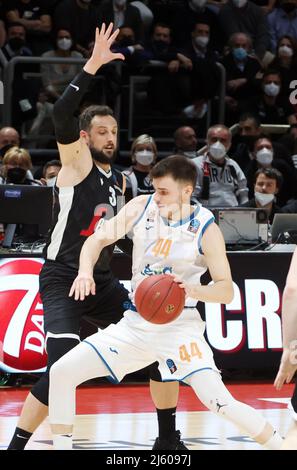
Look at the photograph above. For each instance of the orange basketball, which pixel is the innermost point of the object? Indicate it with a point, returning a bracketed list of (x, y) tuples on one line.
[(159, 299)]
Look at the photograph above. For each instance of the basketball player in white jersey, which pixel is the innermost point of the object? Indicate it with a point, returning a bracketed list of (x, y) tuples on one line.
[(288, 365), (169, 235), (87, 185)]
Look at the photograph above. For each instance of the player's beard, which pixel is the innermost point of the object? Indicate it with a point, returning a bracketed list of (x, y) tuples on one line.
[(101, 157)]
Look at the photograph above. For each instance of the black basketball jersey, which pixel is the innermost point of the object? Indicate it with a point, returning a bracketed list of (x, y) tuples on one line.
[(77, 210)]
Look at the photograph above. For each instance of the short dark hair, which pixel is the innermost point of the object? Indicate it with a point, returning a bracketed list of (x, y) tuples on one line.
[(88, 113), (271, 173), (178, 167), (254, 117), (51, 163)]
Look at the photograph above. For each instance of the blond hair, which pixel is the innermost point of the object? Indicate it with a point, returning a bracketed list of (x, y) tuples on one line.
[(143, 139), (19, 157)]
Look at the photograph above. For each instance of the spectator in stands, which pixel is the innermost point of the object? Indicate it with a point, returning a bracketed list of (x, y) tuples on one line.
[(263, 157), (127, 45), (80, 18), (199, 83), (16, 43), (220, 182), (243, 142), (246, 17), (163, 64), (120, 12), (16, 164), (55, 77), (241, 71), (183, 18), (36, 20), (283, 20), (9, 137), (50, 172), (270, 105), (143, 156), (24, 91), (185, 141), (41, 130), (268, 182), (285, 62)]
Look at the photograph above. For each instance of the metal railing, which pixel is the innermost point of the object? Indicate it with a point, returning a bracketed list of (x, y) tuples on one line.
[(9, 72), (143, 79)]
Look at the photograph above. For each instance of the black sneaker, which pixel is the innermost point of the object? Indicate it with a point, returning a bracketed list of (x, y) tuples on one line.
[(172, 443)]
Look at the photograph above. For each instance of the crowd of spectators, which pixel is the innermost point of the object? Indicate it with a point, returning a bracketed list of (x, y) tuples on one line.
[(178, 44)]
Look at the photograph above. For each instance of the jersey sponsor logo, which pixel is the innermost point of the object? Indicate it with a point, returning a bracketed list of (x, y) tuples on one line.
[(193, 226), (148, 271), (171, 365), (22, 339)]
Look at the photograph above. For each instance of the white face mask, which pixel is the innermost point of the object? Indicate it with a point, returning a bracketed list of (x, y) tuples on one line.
[(144, 157), (271, 89), (51, 181), (285, 51), (264, 199), (239, 3), (264, 156), (64, 44), (217, 150), (201, 41), (190, 154)]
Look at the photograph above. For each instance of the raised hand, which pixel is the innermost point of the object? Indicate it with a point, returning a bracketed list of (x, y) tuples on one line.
[(101, 52)]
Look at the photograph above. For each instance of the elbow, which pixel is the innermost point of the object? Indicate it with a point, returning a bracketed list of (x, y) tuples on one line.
[(229, 293)]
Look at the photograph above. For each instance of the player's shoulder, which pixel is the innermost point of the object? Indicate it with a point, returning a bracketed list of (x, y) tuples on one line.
[(205, 213)]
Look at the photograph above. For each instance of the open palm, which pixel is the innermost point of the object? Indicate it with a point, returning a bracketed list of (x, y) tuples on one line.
[(103, 40)]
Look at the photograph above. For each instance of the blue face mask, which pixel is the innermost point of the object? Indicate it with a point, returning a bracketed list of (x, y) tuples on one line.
[(239, 53)]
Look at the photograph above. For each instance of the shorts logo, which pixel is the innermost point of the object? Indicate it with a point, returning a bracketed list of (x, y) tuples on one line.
[(193, 226), (171, 366)]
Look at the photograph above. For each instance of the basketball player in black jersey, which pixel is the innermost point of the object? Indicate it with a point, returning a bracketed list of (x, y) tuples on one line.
[(87, 189)]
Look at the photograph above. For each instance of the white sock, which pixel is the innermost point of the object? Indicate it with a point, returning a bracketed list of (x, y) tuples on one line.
[(62, 441), (275, 442)]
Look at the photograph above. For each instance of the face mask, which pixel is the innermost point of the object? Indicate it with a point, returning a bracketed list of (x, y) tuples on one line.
[(16, 43), (126, 41), (264, 199), (64, 44), (160, 45), (264, 156), (16, 175), (239, 3), (51, 181), (288, 7), (239, 53), (198, 3), (144, 157), (190, 154), (217, 150), (201, 41), (271, 89), (285, 51)]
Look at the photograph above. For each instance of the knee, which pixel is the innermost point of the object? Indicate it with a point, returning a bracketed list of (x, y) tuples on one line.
[(57, 373), (220, 406)]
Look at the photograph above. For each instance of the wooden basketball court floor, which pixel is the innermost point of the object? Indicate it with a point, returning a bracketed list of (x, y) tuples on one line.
[(122, 417)]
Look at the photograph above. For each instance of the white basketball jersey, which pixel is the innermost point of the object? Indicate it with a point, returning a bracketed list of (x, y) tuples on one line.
[(169, 247)]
